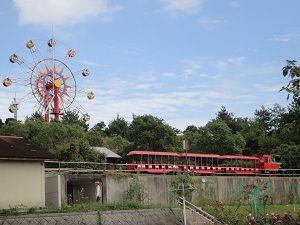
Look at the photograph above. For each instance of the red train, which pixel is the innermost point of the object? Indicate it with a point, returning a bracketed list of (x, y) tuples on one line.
[(202, 164)]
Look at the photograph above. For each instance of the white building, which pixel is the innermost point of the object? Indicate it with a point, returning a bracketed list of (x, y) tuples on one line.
[(22, 177)]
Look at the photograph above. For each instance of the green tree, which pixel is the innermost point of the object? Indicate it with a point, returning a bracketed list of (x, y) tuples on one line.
[(290, 155), (34, 127), (95, 138), (117, 144), (235, 124), (1, 123), (13, 127), (54, 135), (252, 131), (118, 126), (36, 116), (191, 135), (293, 87), (96, 134), (271, 120), (150, 133), (99, 127), (289, 132), (217, 138), (79, 150), (72, 117)]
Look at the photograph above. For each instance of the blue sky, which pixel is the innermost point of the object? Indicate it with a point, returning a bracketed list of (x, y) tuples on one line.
[(178, 60)]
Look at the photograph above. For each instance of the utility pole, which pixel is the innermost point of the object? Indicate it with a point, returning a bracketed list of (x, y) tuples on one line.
[(185, 145), (181, 187)]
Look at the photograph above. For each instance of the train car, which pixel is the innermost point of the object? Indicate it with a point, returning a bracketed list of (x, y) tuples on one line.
[(239, 165), (266, 165), (200, 164), (153, 162)]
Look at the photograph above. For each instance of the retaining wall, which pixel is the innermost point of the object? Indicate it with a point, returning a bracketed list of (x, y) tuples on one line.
[(157, 188), (126, 217)]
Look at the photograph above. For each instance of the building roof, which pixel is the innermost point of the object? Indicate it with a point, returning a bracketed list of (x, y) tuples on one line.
[(17, 148), (109, 153)]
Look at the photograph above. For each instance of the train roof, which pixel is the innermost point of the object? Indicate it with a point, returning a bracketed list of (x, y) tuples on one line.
[(239, 157), (137, 152), (199, 155)]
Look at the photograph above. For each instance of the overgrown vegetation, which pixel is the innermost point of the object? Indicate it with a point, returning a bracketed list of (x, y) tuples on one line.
[(83, 207), (253, 205)]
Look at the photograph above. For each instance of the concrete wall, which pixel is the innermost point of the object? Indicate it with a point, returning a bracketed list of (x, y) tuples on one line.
[(232, 188), (157, 188), (53, 191), (22, 183)]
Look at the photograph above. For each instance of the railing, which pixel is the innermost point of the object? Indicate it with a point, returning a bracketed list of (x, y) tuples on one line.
[(198, 210), (92, 167)]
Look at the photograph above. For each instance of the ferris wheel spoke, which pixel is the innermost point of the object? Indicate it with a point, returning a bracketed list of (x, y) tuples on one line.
[(26, 66), (35, 53), (26, 97)]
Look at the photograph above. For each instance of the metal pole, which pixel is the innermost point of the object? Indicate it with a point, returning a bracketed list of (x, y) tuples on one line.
[(185, 147), (184, 211)]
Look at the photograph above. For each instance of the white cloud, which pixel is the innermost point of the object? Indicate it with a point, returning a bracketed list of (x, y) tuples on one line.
[(192, 67), (147, 76), (225, 62), (63, 12), (234, 4), (286, 37), (183, 6), (266, 88), (168, 74), (211, 23)]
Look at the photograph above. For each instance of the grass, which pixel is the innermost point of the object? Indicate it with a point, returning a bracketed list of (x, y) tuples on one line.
[(84, 207)]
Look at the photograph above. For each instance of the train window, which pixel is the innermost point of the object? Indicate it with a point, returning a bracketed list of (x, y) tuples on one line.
[(261, 159)]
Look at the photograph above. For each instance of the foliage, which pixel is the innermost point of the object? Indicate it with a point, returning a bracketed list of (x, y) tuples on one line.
[(117, 144), (136, 191), (182, 183), (118, 126), (226, 214), (290, 155), (217, 138), (1, 123), (95, 138), (72, 117), (150, 133), (79, 150), (14, 128), (83, 207), (293, 87)]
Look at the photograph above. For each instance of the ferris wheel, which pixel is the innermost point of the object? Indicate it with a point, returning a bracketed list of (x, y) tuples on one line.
[(50, 79)]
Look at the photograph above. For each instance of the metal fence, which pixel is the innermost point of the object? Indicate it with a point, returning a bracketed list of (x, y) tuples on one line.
[(92, 167)]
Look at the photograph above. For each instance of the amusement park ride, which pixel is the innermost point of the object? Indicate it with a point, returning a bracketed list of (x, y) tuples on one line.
[(52, 82)]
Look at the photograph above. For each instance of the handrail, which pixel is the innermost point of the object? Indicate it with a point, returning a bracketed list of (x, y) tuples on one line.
[(78, 166), (198, 210)]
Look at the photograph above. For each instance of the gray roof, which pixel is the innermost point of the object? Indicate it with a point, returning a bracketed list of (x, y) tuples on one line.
[(109, 153)]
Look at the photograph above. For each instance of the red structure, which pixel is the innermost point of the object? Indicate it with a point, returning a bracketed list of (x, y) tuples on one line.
[(52, 82), (201, 164)]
